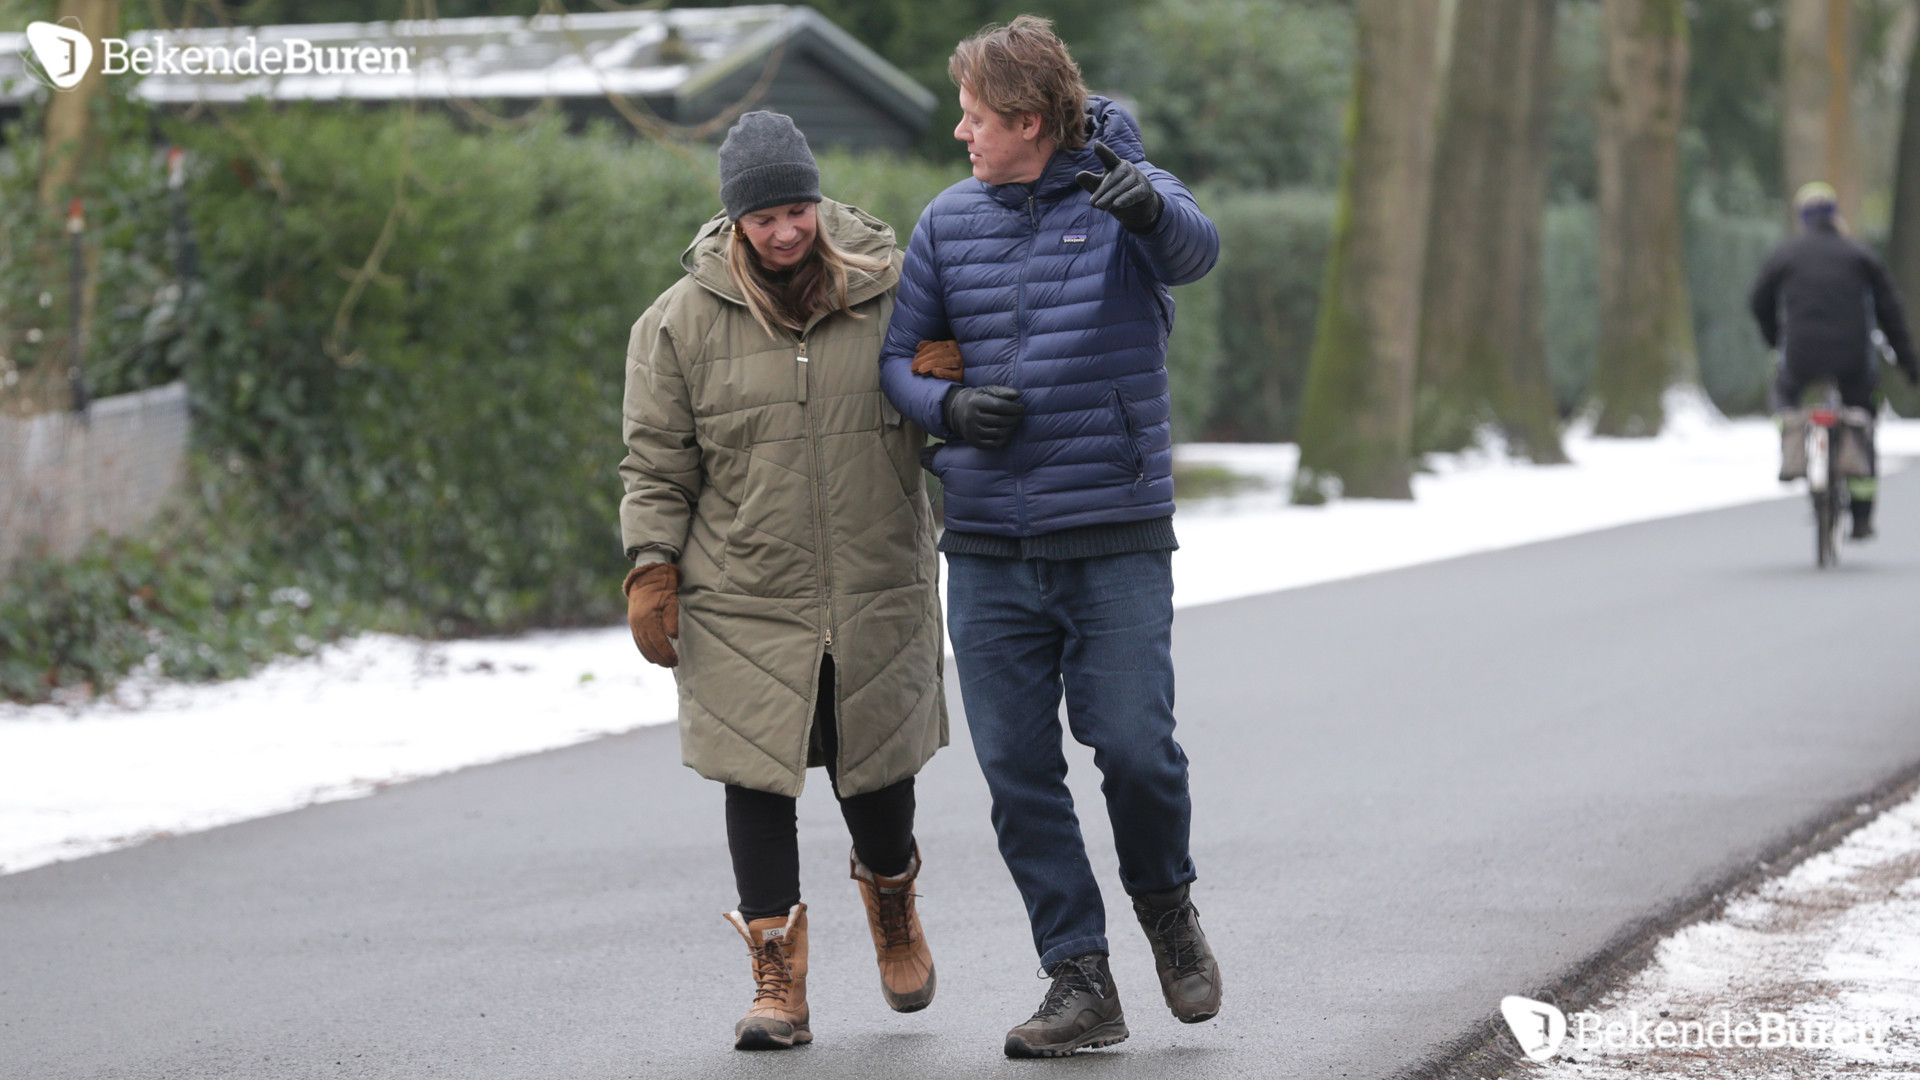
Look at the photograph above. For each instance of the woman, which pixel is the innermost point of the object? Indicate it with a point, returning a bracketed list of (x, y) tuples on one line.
[(780, 532)]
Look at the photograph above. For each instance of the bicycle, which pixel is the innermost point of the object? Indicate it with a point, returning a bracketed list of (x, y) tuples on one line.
[(1836, 436)]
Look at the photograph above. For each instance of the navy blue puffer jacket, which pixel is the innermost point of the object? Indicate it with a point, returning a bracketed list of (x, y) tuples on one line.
[(1056, 299)]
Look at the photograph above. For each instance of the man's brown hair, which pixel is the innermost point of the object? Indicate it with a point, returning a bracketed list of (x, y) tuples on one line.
[(1023, 67)]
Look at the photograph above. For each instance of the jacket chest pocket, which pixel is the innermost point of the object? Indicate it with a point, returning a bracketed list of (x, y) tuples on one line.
[(767, 377)]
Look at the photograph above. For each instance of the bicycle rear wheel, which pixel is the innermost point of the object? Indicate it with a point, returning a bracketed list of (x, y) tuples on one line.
[(1825, 484), (1826, 515), (1836, 501)]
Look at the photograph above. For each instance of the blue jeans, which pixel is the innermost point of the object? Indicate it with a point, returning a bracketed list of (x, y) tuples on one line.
[(1101, 629)]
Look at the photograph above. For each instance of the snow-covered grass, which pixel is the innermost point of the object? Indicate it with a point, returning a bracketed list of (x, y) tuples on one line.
[(157, 758), (165, 758), (1254, 542), (1837, 939)]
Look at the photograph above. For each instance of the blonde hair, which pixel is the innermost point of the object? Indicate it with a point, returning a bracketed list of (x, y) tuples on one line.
[(818, 284), (1023, 67)]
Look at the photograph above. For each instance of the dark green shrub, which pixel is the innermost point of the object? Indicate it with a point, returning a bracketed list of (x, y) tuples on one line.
[(1273, 255), (430, 435), (195, 597), (1571, 321), (450, 442), (1242, 93), (1723, 255), (1194, 356)]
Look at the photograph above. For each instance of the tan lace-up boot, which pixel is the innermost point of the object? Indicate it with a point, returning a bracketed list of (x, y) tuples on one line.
[(906, 964), (779, 1016)]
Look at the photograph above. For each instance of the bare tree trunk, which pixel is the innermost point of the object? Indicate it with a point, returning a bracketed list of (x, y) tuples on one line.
[(1903, 243), (1356, 418), (1482, 354), (1903, 239), (1646, 318), (1817, 98), (69, 137)]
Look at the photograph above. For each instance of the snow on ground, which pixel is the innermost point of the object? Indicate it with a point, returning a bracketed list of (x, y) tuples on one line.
[(1824, 963), (167, 758), (1254, 542)]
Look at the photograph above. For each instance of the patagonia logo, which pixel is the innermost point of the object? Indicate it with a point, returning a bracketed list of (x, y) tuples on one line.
[(1074, 238)]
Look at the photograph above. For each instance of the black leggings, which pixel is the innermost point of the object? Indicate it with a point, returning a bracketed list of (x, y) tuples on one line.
[(763, 832)]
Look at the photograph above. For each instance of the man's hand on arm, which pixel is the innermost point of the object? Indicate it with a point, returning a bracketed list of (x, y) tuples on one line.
[(1123, 191), (984, 416)]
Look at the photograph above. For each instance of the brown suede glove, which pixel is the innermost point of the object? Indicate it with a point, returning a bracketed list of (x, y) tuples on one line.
[(940, 359), (653, 610)]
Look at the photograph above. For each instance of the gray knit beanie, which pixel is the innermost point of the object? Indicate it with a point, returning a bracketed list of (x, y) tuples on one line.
[(765, 162)]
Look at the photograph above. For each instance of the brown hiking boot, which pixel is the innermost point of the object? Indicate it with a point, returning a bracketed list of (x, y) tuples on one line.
[(1081, 1011), (1189, 975), (779, 1017), (906, 965)]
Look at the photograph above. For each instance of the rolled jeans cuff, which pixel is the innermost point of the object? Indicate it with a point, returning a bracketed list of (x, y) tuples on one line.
[(1076, 947)]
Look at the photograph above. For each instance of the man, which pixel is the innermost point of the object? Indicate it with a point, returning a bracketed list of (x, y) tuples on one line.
[(1830, 291), (1051, 268)]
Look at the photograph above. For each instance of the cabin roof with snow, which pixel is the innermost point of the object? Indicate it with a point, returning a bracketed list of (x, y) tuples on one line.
[(685, 66)]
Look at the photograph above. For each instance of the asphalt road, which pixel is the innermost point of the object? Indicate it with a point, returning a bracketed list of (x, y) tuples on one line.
[(1415, 792)]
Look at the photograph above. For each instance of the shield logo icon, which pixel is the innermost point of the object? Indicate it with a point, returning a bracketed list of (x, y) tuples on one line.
[(1538, 1026), (64, 53)]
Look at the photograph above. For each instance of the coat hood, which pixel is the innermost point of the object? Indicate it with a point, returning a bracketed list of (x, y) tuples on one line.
[(1112, 124), (848, 228)]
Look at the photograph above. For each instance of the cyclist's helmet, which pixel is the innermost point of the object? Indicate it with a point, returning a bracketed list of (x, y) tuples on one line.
[(1817, 203)]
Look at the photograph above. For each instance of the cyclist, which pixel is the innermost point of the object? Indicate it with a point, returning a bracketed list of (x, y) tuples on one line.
[(1818, 298)]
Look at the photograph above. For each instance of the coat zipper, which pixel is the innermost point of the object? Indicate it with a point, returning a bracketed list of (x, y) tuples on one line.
[(1020, 344), (819, 505)]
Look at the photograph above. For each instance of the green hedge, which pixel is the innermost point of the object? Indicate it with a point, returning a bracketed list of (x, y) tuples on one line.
[(1723, 255), (453, 449), (196, 596), (1265, 294), (438, 456)]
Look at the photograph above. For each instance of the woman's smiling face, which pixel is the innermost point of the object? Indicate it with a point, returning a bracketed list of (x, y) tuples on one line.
[(781, 235)]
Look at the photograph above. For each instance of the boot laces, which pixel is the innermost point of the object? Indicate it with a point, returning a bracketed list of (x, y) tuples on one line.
[(895, 915), (1070, 977), (1178, 932), (772, 971)]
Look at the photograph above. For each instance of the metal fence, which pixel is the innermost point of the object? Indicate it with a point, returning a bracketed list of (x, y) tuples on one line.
[(64, 477)]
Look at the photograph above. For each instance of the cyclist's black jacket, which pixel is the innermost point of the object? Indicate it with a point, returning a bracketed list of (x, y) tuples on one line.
[(1817, 299)]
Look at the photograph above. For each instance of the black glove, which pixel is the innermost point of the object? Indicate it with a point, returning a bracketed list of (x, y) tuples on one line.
[(984, 416), (1125, 192), (1912, 372)]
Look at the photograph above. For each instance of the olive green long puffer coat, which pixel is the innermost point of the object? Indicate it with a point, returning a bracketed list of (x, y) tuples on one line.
[(788, 489)]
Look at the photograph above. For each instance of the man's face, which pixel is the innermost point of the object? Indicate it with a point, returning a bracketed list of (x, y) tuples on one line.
[(1001, 151)]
